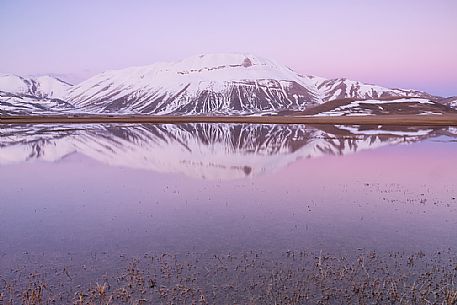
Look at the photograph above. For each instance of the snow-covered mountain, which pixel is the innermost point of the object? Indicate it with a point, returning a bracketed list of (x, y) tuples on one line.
[(44, 86), (32, 95), (211, 84), (218, 84), (341, 88), (211, 151)]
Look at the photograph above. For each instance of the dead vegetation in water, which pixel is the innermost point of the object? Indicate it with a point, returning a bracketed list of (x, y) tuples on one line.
[(252, 278)]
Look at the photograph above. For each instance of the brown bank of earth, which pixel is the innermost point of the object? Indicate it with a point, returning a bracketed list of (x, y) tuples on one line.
[(399, 120)]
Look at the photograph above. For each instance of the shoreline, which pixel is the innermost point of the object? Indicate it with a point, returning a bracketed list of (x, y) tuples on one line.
[(399, 120)]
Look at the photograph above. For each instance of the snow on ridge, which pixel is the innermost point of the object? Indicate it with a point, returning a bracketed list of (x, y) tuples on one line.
[(209, 67), (39, 86), (339, 88), (52, 87), (13, 83)]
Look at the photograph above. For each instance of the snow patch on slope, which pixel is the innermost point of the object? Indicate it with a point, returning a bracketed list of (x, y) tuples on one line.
[(13, 83), (356, 107), (41, 86), (48, 86)]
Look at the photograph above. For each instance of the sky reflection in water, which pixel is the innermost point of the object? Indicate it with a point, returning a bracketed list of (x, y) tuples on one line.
[(136, 188)]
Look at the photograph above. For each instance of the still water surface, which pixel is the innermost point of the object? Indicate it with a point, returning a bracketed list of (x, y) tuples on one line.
[(131, 189)]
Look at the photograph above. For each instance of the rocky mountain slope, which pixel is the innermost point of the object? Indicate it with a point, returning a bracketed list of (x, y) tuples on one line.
[(379, 106)]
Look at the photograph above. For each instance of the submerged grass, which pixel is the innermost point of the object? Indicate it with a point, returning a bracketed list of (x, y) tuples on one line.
[(298, 277)]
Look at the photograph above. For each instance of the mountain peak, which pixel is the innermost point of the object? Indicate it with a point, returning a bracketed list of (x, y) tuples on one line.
[(37, 86), (214, 60), (209, 67), (50, 78)]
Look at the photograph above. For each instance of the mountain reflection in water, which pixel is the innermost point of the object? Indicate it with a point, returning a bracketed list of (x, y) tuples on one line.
[(211, 151)]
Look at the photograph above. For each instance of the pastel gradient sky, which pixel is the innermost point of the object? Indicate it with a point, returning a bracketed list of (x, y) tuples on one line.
[(409, 43)]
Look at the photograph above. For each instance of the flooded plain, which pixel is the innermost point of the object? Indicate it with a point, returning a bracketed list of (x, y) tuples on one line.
[(227, 213)]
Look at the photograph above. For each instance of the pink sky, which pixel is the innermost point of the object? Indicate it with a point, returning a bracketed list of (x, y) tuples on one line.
[(409, 44)]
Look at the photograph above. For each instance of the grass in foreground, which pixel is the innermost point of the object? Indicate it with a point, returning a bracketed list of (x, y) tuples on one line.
[(248, 278)]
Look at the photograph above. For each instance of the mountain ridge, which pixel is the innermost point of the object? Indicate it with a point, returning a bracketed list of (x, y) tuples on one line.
[(216, 84), (44, 86)]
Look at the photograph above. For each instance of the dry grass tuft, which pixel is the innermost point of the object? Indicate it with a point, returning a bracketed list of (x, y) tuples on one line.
[(291, 278)]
